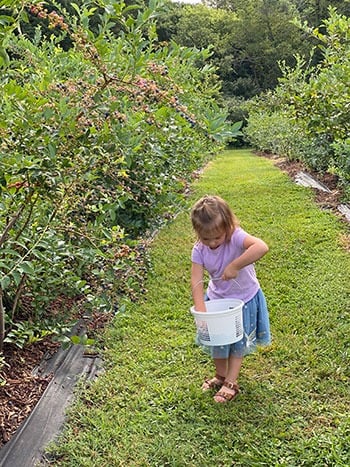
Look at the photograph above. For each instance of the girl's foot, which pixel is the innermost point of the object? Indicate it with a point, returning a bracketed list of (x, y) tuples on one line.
[(213, 383), (228, 392)]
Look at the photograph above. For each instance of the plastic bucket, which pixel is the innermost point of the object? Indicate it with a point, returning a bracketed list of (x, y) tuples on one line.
[(222, 323)]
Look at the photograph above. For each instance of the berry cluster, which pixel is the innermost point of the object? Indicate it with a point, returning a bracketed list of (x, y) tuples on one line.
[(148, 88), (157, 68), (54, 19), (144, 91)]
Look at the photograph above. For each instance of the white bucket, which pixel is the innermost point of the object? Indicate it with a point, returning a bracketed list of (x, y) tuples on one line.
[(222, 323)]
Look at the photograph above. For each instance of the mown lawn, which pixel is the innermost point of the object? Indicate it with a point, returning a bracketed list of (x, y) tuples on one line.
[(147, 409)]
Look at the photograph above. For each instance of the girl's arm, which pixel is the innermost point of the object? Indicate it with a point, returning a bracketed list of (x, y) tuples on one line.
[(197, 274), (255, 248)]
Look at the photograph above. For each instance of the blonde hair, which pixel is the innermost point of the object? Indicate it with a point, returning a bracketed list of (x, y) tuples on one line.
[(213, 214)]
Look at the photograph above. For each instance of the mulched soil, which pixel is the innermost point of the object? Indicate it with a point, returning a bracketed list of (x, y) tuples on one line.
[(326, 200), (21, 386), (21, 389)]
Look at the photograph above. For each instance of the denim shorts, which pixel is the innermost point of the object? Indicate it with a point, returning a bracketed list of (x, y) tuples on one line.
[(256, 326)]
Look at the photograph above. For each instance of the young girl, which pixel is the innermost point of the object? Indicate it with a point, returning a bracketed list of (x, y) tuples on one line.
[(227, 253)]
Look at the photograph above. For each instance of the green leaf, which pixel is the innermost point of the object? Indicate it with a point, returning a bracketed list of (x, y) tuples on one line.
[(4, 58), (52, 150), (26, 267), (75, 340), (5, 282), (16, 277)]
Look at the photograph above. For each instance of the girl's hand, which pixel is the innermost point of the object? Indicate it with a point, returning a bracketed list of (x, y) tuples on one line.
[(255, 248), (230, 272)]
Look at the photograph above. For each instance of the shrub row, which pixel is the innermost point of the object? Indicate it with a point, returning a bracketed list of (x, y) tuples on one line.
[(307, 116), (97, 145)]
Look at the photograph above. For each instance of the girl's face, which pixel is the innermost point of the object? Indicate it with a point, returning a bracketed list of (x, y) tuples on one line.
[(213, 240)]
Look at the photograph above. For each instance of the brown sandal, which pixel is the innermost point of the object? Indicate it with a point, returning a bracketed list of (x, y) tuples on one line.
[(227, 396), (213, 383)]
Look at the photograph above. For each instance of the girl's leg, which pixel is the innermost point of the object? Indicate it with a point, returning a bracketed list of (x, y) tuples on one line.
[(234, 367), (230, 388), (221, 366)]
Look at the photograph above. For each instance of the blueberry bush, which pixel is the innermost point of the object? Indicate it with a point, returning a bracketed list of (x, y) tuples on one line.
[(306, 117), (98, 142)]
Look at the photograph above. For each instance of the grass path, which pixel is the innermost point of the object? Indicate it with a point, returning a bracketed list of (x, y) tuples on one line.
[(147, 409)]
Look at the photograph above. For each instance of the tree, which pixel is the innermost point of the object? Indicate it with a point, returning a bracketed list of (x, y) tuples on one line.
[(315, 11), (267, 36), (247, 41), (215, 29)]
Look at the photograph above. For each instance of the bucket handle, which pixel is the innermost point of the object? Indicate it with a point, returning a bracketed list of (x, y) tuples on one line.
[(216, 279)]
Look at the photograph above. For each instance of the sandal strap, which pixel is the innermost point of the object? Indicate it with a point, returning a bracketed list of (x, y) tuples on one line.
[(231, 385), (221, 378), (218, 377), (214, 383), (227, 395)]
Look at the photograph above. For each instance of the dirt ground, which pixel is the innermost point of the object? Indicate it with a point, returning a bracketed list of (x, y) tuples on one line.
[(21, 389)]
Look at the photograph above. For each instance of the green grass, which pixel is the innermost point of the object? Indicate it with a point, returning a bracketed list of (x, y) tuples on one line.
[(147, 408)]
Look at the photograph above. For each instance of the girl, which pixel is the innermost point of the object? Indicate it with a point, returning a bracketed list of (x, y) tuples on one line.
[(227, 253)]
